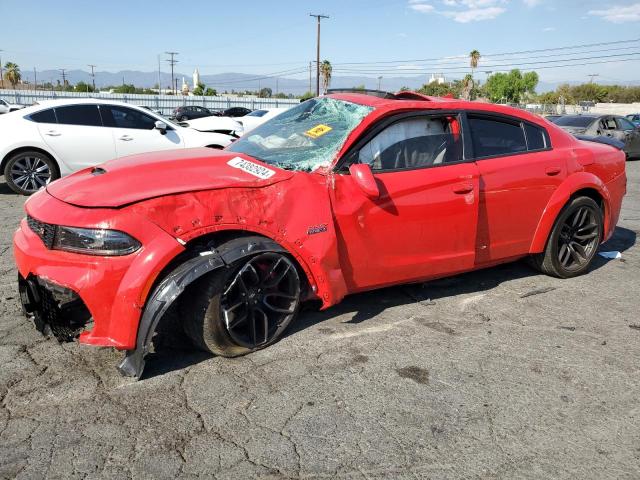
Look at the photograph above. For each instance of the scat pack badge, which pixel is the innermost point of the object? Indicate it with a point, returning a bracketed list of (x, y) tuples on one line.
[(317, 229)]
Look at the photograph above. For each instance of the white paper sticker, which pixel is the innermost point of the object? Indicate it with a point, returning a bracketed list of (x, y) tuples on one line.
[(251, 168)]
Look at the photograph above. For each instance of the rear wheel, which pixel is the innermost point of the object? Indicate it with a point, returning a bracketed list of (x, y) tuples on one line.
[(573, 241), (27, 172), (244, 308)]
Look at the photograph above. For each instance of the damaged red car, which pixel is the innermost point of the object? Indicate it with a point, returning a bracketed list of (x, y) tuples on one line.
[(340, 194)]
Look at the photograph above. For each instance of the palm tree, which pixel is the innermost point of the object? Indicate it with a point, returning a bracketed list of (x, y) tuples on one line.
[(474, 58), (325, 73), (467, 87), (12, 74)]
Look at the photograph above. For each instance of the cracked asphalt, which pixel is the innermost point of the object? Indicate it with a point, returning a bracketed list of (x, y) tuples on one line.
[(498, 374)]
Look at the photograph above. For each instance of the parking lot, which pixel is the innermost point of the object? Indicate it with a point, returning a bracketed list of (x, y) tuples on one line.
[(502, 373)]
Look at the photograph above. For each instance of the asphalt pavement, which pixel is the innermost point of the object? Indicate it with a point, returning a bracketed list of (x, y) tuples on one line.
[(497, 374)]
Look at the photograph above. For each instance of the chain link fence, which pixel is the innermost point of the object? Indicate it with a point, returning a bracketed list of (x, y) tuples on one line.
[(164, 103)]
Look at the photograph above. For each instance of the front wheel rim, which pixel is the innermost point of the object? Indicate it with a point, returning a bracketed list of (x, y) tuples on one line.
[(260, 300), (578, 239), (30, 173)]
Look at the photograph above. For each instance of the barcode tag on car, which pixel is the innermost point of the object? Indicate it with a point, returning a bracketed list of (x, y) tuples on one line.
[(251, 168)]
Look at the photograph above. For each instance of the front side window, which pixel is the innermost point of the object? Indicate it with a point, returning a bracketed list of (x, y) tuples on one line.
[(86, 115), (609, 124), (414, 143), (123, 117), (492, 137), (2, 102), (305, 137)]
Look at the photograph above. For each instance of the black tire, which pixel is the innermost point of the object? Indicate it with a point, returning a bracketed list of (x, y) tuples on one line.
[(184, 118), (212, 308), (28, 171), (573, 241)]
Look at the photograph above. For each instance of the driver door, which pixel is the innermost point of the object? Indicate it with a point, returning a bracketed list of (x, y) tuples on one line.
[(134, 131), (423, 224)]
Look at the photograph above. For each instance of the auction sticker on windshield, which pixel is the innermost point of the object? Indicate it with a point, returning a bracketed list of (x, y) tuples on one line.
[(251, 168), (318, 131)]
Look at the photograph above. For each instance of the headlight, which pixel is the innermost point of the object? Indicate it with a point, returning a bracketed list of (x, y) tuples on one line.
[(92, 241)]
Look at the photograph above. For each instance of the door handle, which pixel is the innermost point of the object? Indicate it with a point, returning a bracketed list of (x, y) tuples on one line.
[(609, 135), (126, 138), (462, 188), (52, 133), (551, 171)]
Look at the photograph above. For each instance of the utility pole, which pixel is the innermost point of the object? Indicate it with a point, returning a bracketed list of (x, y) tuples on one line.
[(93, 76), (318, 17), (379, 82), (64, 78), (159, 82), (172, 62), (592, 76), (35, 79)]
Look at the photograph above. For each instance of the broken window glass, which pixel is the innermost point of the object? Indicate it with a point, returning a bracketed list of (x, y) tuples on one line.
[(305, 137)]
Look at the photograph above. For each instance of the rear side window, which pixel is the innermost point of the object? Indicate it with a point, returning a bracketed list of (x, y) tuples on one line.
[(86, 115), (536, 137), (44, 116), (624, 124), (123, 117), (414, 143), (492, 137)]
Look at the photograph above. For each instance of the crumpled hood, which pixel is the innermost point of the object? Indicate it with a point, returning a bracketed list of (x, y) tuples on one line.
[(139, 177)]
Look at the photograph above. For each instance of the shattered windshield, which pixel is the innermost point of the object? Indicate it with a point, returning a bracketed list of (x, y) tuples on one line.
[(304, 137)]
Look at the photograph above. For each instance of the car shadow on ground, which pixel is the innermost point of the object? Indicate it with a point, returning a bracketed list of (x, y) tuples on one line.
[(4, 188), (173, 352)]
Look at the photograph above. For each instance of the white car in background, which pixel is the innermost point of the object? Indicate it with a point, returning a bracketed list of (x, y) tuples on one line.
[(6, 107), (57, 137), (258, 117), (212, 124)]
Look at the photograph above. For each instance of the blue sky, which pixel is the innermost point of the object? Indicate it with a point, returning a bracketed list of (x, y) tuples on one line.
[(264, 37)]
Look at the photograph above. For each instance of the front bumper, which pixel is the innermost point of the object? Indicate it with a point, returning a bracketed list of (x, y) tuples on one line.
[(97, 299)]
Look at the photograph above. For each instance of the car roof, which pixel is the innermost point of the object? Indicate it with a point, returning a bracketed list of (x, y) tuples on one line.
[(411, 101), (78, 101)]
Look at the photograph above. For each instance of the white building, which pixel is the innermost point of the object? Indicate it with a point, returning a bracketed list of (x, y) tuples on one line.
[(196, 78), (437, 78)]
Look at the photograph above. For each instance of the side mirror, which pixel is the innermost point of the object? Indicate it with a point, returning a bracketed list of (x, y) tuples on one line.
[(161, 127), (364, 178)]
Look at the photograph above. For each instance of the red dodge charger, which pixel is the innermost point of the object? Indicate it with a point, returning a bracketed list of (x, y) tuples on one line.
[(340, 194)]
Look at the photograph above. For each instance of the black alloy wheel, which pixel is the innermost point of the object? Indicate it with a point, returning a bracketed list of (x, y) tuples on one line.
[(260, 299), (573, 241), (578, 239)]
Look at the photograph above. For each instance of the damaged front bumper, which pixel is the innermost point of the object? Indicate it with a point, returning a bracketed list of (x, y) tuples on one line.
[(54, 309), (96, 299)]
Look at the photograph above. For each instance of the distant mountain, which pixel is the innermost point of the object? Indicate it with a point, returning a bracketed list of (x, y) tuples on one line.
[(242, 81), (222, 81)]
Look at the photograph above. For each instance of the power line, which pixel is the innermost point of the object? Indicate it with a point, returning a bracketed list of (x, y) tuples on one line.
[(573, 47), (463, 64), (492, 67)]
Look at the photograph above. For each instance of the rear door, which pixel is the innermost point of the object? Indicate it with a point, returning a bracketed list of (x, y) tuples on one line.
[(519, 171), (78, 138), (424, 222), (133, 131)]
